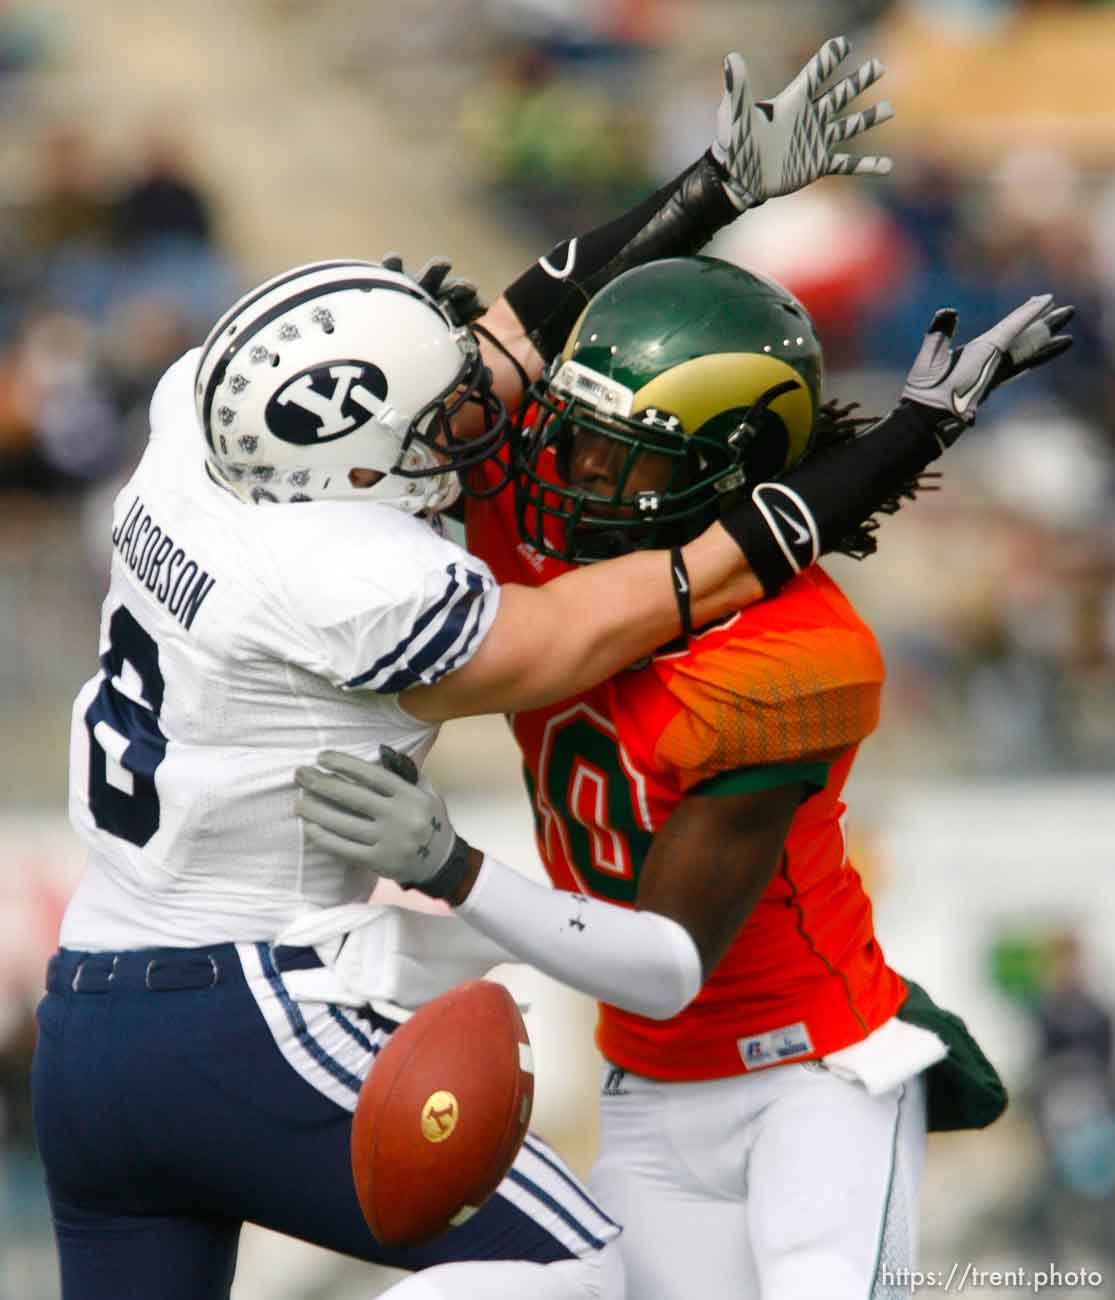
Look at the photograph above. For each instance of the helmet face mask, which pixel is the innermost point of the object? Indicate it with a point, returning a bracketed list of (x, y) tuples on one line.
[(336, 367), (433, 425), (684, 382), (656, 482)]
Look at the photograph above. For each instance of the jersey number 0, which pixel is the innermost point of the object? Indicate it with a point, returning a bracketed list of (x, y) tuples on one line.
[(593, 801)]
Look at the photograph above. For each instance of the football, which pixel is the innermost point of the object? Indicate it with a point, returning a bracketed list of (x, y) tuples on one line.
[(442, 1114)]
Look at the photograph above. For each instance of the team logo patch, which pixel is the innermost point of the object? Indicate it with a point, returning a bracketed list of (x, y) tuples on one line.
[(775, 1046), (327, 402), (439, 1116)]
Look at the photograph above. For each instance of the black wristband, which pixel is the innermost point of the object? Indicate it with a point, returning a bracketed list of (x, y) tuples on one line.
[(446, 880), (679, 576), (784, 526), (675, 221)]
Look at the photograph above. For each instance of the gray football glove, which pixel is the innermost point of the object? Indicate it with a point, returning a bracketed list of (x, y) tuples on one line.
[(776, 146), (373, 817), (458, 298), (956, 380), (1038, 343)]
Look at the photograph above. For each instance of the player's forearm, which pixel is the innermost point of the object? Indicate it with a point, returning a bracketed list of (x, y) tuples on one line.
[(510, 355), (618, 612), (721, 579), (676, 220), (553, 642), (639, 961)]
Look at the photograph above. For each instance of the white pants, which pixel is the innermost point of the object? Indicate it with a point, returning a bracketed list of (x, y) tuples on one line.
[(787, 1184)]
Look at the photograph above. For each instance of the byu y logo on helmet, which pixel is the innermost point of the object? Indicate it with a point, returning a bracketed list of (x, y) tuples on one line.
[(292, 389), (326, 402)]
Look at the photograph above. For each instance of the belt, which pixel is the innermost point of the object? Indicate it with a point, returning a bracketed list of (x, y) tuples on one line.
[(159, 970)]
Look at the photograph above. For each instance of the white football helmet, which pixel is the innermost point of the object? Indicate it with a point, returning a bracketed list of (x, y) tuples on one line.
[(337, 366)]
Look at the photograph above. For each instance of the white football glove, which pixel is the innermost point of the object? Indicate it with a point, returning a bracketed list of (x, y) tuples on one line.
[(956, 380), (367, 815), (776, 146)]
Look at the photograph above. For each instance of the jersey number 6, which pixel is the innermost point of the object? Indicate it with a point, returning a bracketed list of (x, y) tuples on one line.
[(125, 743)]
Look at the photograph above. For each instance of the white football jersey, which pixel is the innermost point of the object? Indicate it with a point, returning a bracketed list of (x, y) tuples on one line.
[(236, 642)]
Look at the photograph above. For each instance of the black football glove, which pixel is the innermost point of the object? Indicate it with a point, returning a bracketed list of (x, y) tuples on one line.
[(458, 298)]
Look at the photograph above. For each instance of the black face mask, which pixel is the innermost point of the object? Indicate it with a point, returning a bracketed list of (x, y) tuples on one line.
[(433, 427)]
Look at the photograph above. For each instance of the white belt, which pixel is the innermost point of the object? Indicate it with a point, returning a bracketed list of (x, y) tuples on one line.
[(379, 953), (893, 1053)]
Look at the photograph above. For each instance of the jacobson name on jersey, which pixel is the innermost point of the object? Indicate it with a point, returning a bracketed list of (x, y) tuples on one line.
[(146, 546), (236, 642)]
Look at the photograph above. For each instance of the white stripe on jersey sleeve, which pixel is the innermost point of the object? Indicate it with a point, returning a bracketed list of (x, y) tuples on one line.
[(444, 631)]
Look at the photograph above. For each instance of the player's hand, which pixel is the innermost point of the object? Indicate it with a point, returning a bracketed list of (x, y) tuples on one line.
[(393, 822), (1038, 343), (458, 298), (954, 381), (776, 146)]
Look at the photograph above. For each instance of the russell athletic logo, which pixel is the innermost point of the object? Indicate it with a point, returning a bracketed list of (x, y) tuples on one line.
[(327, 402)]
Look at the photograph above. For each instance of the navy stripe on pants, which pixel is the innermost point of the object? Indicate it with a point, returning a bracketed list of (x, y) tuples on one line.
[(167, 1116)]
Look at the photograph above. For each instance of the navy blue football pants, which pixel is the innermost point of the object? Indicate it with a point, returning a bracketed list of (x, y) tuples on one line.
[(167, 1116)]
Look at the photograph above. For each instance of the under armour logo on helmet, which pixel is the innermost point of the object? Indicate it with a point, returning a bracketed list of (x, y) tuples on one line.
[(660, 419)]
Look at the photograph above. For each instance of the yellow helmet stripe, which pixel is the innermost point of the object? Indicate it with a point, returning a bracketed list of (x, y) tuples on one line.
[(697, 390)]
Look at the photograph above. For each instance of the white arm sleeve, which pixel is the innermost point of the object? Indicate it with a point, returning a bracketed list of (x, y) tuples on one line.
[(638, 961)]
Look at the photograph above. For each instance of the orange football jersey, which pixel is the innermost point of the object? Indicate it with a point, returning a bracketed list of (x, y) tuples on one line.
[(781, 691)]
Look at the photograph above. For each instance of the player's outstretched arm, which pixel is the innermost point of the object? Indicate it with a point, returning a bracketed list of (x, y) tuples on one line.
[(706, 869), (760, 149), (788, 524), (552, 642)]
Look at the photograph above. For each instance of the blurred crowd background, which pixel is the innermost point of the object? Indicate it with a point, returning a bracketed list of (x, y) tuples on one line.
[(156, 160)]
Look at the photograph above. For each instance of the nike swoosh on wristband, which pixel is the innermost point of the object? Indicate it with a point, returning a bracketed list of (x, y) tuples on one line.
[(564, 272), (794, 529), (961, 401), (801, 534), (680, 584)]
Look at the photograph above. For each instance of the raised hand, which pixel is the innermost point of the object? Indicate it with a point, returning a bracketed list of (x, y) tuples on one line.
[(1038, 343), (776, 146), (458, 298), (956, 380)]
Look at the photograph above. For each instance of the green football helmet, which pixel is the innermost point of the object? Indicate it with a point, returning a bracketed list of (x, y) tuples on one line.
[(692, 374)]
